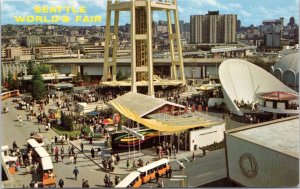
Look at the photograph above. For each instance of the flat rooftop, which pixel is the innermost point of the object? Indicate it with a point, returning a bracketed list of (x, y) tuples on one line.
[(279, 135), (142, 83), (189, 118)]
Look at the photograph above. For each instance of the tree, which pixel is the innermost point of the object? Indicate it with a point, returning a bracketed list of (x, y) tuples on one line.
[(30, 67), (38, 91), (126, 75), (119, 75), (10, 80), (44, 68), (2, 78), (67, 122), (15, 84)]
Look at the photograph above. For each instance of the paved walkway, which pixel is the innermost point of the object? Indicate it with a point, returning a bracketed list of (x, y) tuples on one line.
[(121, 168), (91, 168)]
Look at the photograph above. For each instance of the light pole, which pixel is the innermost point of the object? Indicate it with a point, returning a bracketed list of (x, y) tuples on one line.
[(193, 72), (58, 97)]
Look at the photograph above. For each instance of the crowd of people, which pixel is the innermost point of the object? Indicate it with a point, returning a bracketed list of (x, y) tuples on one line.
[(293, 106)]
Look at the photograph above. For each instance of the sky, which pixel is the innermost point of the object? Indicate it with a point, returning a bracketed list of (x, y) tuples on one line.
[(248, 11)]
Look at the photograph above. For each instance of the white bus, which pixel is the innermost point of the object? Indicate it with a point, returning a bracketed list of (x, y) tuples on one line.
[(147, 172), (133, 180)]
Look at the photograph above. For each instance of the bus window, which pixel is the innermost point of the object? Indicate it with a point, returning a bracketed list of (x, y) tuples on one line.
[(143, 174)]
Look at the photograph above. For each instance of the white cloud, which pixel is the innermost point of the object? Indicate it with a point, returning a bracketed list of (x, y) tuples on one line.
[(5, 7), (235, 6), (180, 9), (74, 4), (202, 3), (100, 3), (245, 13)]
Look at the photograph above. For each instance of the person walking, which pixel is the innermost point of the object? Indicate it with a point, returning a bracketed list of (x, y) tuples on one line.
[(61, 183), (157, 176), (83, 183), (117, 180), (62, 150), (93, 153), (62, 157), (56, 157), (133, 165), (180, 165), (127, 164), (99, 152), (55, 139), (81, 146), (91, 140), (75, 159), (170, 172), (56, 150), (87, 184), (117, 158), (167, 173), (203, 152), (75, 172)]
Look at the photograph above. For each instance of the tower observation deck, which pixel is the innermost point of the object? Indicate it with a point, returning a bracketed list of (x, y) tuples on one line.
[(141, 40)]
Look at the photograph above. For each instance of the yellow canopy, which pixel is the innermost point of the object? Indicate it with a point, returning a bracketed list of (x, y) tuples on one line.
[(158, 125)]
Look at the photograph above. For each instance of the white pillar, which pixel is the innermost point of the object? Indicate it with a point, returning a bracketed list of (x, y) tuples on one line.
[(107, 41), (133, 48), (178, 39), (115, 46), (149, 44), (173, 67)]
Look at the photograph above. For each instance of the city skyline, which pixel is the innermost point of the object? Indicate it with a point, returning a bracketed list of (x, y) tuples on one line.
[(247, 12)]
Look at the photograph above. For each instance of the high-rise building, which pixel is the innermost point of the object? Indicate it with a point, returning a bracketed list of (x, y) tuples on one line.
[(213, 28), (33, 41), (292, 21), (186, 27), (181, 24), (238, 25), (272, 32)]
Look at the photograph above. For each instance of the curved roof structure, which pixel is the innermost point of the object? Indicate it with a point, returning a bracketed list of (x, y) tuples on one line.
[(135, 106), (288, 62), (242, 80)]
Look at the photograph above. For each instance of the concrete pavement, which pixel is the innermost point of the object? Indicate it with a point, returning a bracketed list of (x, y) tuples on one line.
[(202, 171)]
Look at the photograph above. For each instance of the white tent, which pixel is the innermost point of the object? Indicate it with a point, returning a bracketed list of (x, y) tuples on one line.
[(33, 143), (242, 80), (41, 152), (4, 154), (47, 163)]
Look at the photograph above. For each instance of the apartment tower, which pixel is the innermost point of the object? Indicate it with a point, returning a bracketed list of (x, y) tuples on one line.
[(213, 28)]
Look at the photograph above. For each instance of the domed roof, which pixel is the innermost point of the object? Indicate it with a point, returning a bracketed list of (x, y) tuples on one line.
[(241, 80), (288, 62)]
